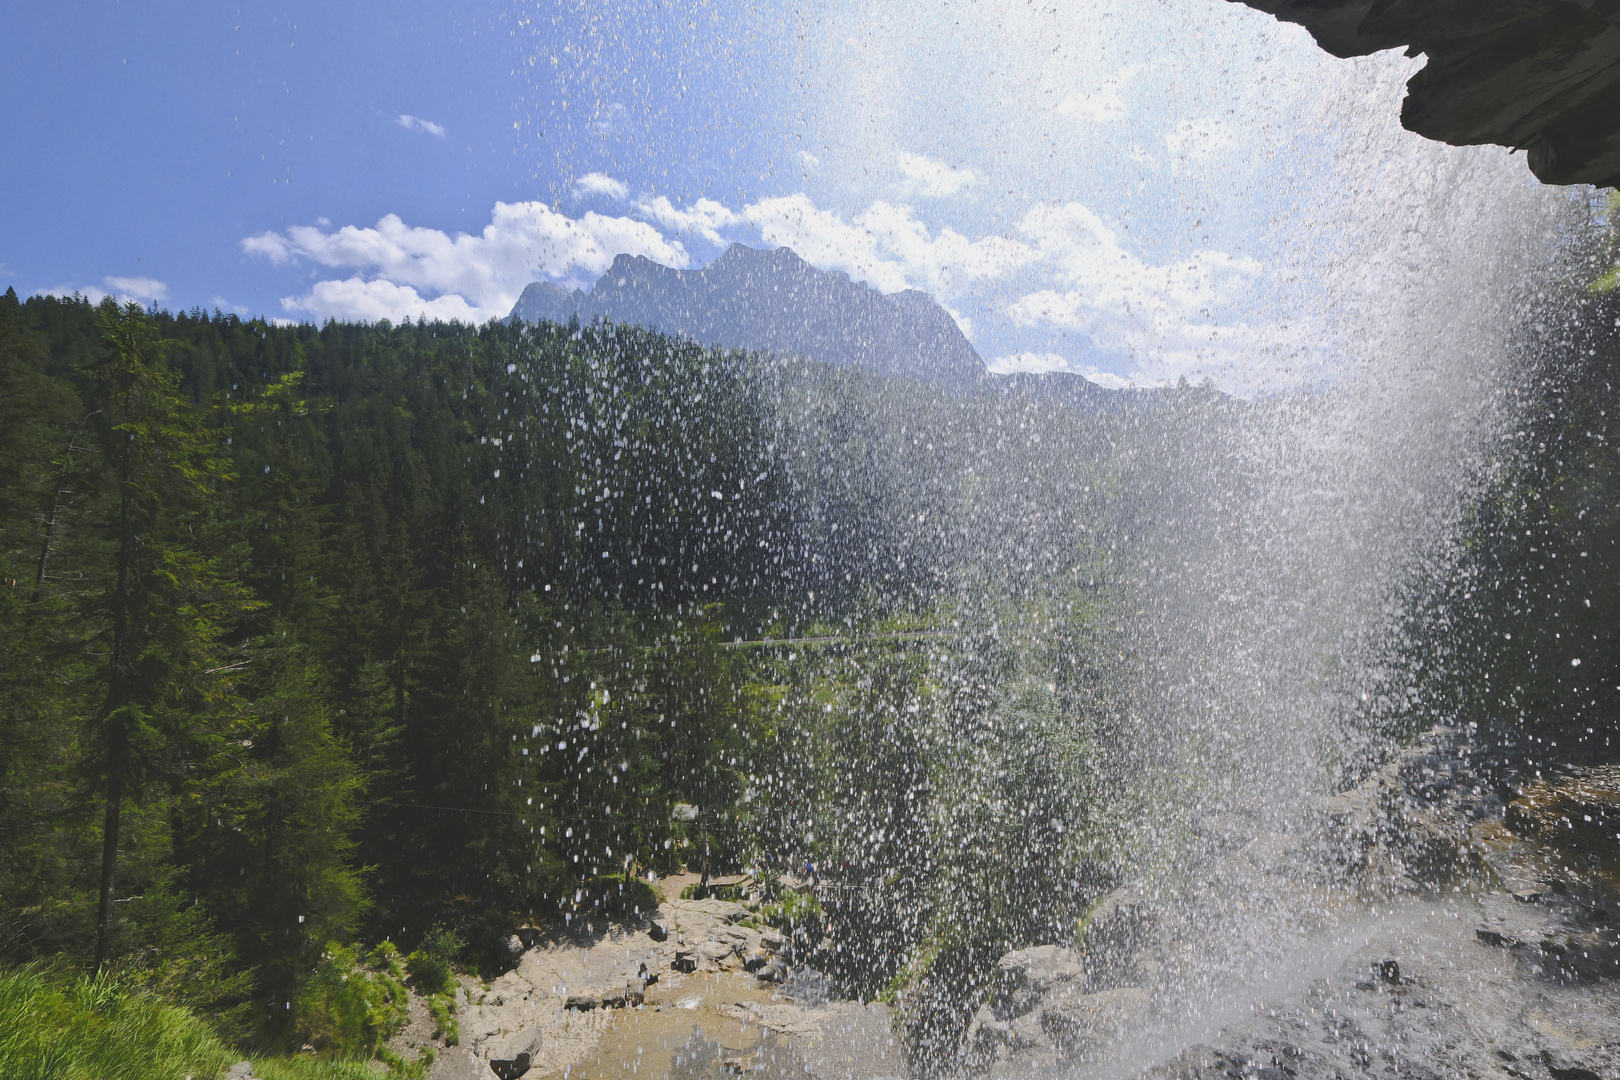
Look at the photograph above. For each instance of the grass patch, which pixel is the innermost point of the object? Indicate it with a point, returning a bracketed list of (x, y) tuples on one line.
[(304, 1067), (791, 909), (55, 1028)]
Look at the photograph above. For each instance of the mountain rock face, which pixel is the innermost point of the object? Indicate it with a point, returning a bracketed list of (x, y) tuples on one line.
[(776, 302), (1537, 75)]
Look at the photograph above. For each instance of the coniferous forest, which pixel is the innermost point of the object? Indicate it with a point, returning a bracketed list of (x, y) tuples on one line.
[(331, 657), (363, 634)]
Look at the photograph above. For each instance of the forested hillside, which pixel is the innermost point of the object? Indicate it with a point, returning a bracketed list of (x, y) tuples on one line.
[(353, 633)]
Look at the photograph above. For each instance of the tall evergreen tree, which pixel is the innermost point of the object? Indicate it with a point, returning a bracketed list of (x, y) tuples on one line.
[(166, 604)]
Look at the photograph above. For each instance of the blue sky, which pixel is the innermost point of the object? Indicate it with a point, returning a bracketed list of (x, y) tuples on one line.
[(1134, 190)]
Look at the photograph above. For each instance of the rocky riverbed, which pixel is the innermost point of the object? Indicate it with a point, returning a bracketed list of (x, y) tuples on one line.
[(1458, 915), (698, 989)]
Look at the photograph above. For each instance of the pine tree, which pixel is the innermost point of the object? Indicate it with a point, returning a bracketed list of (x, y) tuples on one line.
[(165, 604)]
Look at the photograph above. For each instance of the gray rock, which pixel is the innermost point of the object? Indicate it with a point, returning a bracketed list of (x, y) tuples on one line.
[(773, 972), (686, 960), (1026, 976), (510, 1068), (242, 1070), (584, 1001), (658, 930), (776, 302), (716, 951), (1089, 1024)]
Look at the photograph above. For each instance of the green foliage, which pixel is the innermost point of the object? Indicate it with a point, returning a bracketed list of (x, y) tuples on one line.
[(791, 910), (350, 1005), (98, 1028), (304, 1067), (429, 965), (436, 625), (445, 1024)]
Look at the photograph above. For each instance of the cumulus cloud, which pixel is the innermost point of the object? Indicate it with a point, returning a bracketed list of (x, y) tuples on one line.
[(417, 124), (601, 184), (1199, 138), (705, 217), (143, 290), (479, 277), (935, 179), (885, 246), (1069, 271), (1032, 362), (358, 300), (1163, 314), (1105, 103)]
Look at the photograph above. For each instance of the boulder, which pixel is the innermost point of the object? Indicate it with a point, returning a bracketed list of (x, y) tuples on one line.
[(686, 960), (584, 1001), (773, 972), (633, 994), (719, 910), (1026, 976), (658, 930), (756, 959), (242, 1070), (717, 951), (1087, 1025), (510, 1068)]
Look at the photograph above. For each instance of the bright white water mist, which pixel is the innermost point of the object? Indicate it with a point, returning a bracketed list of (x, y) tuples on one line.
[(1284, 545), (1154, 636)]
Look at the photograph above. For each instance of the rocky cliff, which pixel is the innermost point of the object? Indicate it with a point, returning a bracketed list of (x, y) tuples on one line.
[(774, 301), (1537, 75)]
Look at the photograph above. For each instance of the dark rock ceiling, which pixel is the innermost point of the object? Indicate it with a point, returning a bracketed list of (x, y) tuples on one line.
[(1538, 75)]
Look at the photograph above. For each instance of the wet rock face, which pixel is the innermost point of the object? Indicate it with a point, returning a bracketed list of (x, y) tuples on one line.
[(1537, 75)]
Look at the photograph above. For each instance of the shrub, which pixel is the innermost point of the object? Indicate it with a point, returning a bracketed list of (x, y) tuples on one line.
[(429, 965), (445, 1024), (349, 1007)]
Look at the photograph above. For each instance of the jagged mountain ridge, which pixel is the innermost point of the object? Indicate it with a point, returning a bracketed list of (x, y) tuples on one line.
[(774, 301)]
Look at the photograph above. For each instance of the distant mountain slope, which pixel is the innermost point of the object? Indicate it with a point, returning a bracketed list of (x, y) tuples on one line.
[(774, 301), (749, 298)]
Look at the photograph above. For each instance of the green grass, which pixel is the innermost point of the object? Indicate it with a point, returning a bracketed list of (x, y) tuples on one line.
[(56, 1028), (304, 1067)]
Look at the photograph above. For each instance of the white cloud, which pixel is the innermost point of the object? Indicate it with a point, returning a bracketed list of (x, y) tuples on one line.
[(808, 160), (1200, 138), (1165, 316), (416, 123), (1027, 361), (704, 217), (885, 246), (358, 300), (925, 176), (1068, 269), (144, 290), (484, 273), (609, 117), (601, 184), (1108, 379), (1105, 103)]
